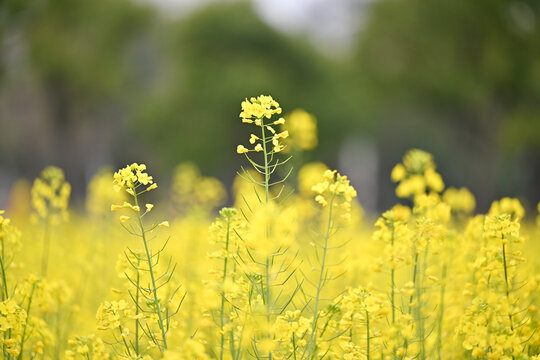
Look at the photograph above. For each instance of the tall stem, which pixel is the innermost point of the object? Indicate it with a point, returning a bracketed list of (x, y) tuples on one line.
[(313, 338), (267, 199), (368, 350), (222, 315), (441, 311), (506, 282), (137, 323), (27, 319), (266, 172), (393, 284), (152, 278), (5, 293)]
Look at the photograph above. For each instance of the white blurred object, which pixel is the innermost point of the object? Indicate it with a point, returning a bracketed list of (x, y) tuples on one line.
[(358, 159)]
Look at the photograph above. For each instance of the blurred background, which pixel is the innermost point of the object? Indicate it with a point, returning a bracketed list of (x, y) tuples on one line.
[(85, 84)]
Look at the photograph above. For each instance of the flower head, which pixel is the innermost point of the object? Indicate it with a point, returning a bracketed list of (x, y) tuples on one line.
[(131, 176), (255, 111)]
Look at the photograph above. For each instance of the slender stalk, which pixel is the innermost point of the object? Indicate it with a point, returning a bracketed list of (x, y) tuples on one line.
[(137, 323), (415, 271), (152, 278), (313, 338), (506, 282), (266, 172), (222, 314), (392, 278), (267, 262), (268, 296), (26, 322), (441, 311), (393, 284), (5, 293), (368, 350), (128, 352)]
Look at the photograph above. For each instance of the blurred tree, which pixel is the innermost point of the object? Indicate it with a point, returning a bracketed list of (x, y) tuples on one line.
[(470, 68), (77, 54), (217, 57)]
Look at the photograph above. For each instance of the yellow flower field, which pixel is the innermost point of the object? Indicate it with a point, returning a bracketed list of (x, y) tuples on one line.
[(294, 269)]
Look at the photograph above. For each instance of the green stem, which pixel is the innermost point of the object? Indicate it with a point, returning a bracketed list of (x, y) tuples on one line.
[(392, 278), (137, 323), (266, 172), (27, 319), (268, 297), (5, 294), (152, 278), (441, 311), (267, 199), (506, 282), (393, 283), (313, 338), (124, 340), (222, 315), (367, 335)]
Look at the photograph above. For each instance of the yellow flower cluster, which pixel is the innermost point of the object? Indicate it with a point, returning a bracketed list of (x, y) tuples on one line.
[(12, 317), (193, 192), (335, 190), (50, 195), (256, 108), (255, 111), (132, 177), (416, 174), (291, 326), (460, 200), (10, 239), (509, 206), (87, 347), (302, 127), (113, 314)]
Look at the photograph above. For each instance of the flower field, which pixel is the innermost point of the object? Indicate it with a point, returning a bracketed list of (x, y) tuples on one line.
[(293, 269)]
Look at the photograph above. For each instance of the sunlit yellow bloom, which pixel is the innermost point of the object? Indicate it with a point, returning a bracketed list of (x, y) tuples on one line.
[(164, 224), (240, 149)]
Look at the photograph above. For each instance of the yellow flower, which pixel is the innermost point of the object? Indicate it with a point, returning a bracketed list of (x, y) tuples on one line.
[(50, 194), (164, 224), (302, 128), (240, 149), (398, 173), (130, 176), (262, 106)]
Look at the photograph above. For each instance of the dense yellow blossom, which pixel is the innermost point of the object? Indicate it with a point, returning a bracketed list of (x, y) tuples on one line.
[(280, 275), (193, 192), (50, 195), (416, 174), (302, 127), (258, 111)]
